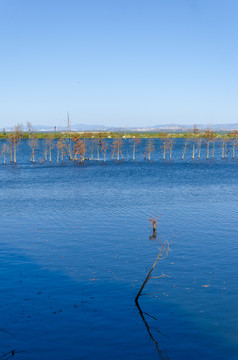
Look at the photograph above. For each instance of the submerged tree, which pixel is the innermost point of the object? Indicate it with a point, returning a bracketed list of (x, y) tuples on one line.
[(5, 150), (117, 148), (99, 144), (61, 146), (48, 146), (92, 145), (79, 148), (33, 143), (149, 148), (68, 141), (167, 145), (194, 143), (209, 137), (234, 137), (14, 140), (103, 148), (135, 141), (185, 147), (171, 143), (199, 143)]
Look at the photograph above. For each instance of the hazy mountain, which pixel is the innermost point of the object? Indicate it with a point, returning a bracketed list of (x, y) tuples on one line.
[(163, 127)]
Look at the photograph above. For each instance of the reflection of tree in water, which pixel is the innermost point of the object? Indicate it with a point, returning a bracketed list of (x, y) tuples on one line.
[(162, 353), (9, 355)]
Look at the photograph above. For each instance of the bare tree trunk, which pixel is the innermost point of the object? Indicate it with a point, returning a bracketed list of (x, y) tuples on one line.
[(225, 149), (15, 153), (46, 154), (118, 152), (134, 151), (208, 144), (193, 150), (199, 148), (213, 149), (185, 146), (98, 152)]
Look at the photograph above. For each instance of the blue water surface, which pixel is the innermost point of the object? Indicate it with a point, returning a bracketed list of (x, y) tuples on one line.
[(76, 245)]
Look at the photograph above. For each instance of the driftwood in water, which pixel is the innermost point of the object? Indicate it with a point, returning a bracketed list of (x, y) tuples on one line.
[(163, 253)]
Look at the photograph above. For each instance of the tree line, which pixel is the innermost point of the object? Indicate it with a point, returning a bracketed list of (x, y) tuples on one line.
[(95, 146)]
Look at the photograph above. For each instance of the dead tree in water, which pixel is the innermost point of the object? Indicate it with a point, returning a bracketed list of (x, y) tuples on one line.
[(10, 141), (104, 148), (185, 147), (165, 144), (5, 150), (99, 144), (92, 145), (213, 147), (149, 149), (224, 141), (163, 253), (199, 142), (194, 142), (117, 148), (15, 141), (61, 146), (154, 222), (135, 141), (170, 147), (209, 137), (79, 149), (33, 143), (48, 146), (234, 137)]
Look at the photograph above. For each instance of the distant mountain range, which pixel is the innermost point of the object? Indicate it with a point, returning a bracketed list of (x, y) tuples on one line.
[(155, 128)]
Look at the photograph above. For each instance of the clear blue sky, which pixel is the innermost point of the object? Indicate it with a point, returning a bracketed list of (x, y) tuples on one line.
[(118, 62)]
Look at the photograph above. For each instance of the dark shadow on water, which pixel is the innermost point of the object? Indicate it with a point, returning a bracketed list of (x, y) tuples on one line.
[(162, 353)]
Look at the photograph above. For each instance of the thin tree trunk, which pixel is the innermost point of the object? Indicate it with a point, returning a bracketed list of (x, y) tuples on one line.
[(213, 149), (185, 146), (134, 152), (199, 148), (193, 150), (98, 152), (15, 153), (208, 144)]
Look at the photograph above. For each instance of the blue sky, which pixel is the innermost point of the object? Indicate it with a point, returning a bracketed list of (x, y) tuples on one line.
[(118, 63)]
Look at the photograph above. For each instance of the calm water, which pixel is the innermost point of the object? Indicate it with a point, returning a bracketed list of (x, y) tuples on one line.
[(75, 248)]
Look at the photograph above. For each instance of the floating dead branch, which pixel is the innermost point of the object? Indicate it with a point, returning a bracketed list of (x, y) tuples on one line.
[(163, 253)]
